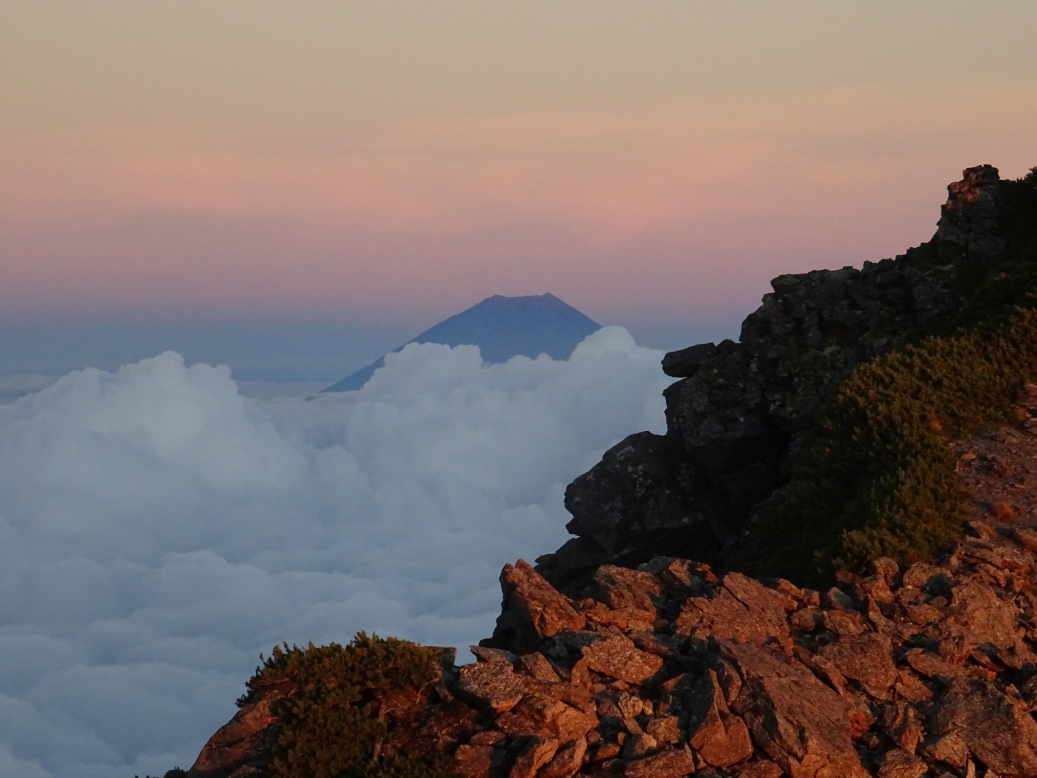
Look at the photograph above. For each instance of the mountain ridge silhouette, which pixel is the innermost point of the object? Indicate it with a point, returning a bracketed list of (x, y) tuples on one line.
[(502, 327)]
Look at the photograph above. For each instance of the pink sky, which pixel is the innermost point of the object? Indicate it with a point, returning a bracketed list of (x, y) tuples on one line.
[(395, 162)]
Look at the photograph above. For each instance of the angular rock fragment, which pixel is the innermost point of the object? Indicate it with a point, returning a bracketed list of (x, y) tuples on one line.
[(867, 659), (492, 684), (949, 748), (743, 609), (665, 729), (919, 574), (567, 761), (903, 725), (539, 714), (620, 587), (976, 616), (900, 764), (716, 734), (473, 761), (996, 729), (931, 665), (762, 769), (799, 722), (536, 666), (638, 744), (617, 657), (532, 609), (672, 763), (247, 738), (536, 753)]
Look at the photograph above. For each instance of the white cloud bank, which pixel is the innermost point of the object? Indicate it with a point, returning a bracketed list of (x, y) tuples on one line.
[(158, 530)]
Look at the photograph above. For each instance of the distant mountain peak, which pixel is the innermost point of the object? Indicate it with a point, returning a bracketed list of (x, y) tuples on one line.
[(502, 327)]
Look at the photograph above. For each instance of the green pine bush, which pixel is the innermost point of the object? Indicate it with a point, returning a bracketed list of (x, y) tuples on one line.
[(331, 724)]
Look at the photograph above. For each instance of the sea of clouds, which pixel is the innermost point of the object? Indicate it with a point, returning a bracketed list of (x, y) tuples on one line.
[(158, 530)]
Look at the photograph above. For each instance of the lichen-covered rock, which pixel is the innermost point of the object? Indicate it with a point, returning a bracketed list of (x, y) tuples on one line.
[(567, 761), (854, 688), (900, 764), (618, 657), (717, 735), (672, 763), (537, 752), (997, 730), (867, 659), (492, 684), (246, 740), (620, 587), (532, 609), (799, 722), (742, 609)]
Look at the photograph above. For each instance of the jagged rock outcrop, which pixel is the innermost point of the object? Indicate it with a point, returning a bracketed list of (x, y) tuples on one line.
[(736, 417), (670, 670), (970, 223)]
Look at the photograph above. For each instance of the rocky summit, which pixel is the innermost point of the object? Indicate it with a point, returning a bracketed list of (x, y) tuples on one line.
[(646, 647)]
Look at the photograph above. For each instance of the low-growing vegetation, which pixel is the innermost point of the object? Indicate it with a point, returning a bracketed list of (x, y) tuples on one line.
[(333, 724), (875, 476)]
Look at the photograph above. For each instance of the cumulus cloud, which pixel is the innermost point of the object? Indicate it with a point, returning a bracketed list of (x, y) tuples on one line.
[(158, 529)]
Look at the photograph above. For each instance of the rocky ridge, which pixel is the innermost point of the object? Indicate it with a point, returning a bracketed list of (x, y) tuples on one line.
[(739, 412), (669, 670)]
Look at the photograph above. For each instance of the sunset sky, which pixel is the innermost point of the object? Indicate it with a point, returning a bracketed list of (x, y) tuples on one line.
[(302, 185)]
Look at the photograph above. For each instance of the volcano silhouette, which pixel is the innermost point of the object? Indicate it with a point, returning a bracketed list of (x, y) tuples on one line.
[(502, 327)]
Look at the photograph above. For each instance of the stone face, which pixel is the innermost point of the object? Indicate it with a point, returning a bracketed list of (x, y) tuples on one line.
[(763, 769), (617, 657), (743, 609), (866, 658), (567, 761), (976, 617), (997, 730), (532, 609), (473, 761), (798, 721), (970, 226), (899, 764), (492, 684), (620, 587), (686, 362), (536, 666), (537, 752), (718, 736), (540, 714), (246, 739), (672, 763)]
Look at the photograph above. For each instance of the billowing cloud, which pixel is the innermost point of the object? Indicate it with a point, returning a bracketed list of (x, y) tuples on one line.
[(158, 529)]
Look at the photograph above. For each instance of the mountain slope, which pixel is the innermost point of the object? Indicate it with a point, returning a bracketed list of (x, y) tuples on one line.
[(864, 414), (502, 327)]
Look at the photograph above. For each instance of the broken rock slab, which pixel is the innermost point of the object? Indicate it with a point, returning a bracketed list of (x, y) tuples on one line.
[(996, 729), (801, 723), (618, 657)]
